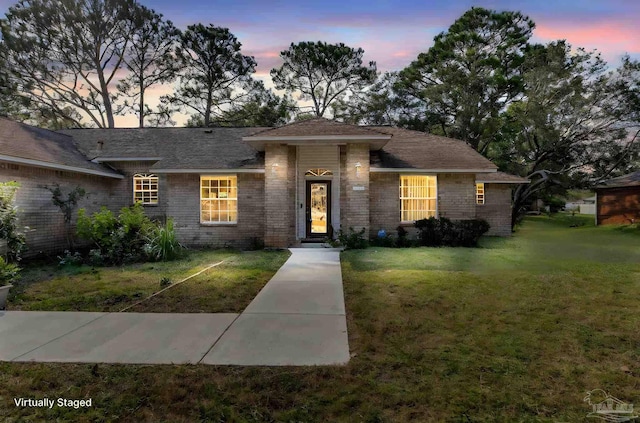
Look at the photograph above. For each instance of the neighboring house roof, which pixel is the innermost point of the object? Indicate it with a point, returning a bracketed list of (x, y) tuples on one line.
[(29, 145), (190, 149), (629, 180), (419, 150), (500, 178)]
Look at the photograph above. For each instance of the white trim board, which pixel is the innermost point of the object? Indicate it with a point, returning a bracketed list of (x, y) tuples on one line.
[(207, 171), (412, 170)]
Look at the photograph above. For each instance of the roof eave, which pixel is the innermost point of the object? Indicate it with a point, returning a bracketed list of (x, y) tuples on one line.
[(213, 171), (425, 170), (56, 166)]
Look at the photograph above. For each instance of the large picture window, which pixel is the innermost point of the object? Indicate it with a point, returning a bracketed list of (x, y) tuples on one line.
[(418, 197), (218, 199), (145, 188)]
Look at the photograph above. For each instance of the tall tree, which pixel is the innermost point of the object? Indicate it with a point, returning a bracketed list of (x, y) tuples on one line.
[(215, 75), (471, 73), (67, 53), (262, 108), (150, 60), (572, 125), (384, 103), (322, 73)]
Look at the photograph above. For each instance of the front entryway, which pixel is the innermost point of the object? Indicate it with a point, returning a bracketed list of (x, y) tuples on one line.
[(318, 213)]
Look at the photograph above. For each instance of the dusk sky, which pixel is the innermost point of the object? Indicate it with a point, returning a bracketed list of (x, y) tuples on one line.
[(393, 32)]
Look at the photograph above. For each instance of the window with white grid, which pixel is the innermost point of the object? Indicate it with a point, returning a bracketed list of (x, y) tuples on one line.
[(418, 197), (145, 188), (218, 199), (480, 193)]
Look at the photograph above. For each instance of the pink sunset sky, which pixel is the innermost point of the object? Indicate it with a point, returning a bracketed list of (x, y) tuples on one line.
[(392, 33)]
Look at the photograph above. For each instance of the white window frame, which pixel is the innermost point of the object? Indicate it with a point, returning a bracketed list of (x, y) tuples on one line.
[(149, 196), (232, 184), (480, 193), (415, 196)]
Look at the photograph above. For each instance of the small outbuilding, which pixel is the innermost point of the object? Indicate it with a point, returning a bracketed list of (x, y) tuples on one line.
[(618, 200)]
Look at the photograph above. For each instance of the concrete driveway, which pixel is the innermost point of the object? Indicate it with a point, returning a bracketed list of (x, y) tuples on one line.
[(297, 319)]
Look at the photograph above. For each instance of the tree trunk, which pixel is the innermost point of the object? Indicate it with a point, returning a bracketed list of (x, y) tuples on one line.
[(141, 107), (207, 112)]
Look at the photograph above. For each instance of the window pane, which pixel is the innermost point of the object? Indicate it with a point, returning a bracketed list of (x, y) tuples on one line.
[(417, 197)]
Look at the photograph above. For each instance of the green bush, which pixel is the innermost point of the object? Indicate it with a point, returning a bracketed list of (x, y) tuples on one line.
[(444, 232), (9, 272), (353, 240), (9, 222), (162, 243), (403, 241), (119, 239)]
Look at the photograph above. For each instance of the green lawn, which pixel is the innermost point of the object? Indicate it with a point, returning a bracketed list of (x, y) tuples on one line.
[(228, 287), (517, 330)]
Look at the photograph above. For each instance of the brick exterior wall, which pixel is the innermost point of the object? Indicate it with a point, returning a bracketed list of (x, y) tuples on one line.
[(457, 196), (279, 182), (128, 169), (496, 209), (183, 205), (354, 204), (384, 203), (36, 210)]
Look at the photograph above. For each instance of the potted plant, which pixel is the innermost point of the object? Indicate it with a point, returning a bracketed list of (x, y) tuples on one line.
[(8, 273)]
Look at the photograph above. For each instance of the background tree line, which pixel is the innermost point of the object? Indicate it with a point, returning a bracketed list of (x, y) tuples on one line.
[(553, 113)]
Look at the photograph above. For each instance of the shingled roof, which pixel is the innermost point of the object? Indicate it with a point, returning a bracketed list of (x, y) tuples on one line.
[(629, 180), (318, 127), (193, 149), (29, 145), (419, 150), (500, 178), (175, 148)]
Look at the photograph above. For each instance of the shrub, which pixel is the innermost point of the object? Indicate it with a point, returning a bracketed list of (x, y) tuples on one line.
[(384, 241), (353, 240), (70, 259), (444, 232), (9, 272), (119, 239), (9, 221), (165, 282), (162, 243), (402, 241)]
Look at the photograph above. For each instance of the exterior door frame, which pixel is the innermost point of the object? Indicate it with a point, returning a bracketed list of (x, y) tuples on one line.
[(308, 208)]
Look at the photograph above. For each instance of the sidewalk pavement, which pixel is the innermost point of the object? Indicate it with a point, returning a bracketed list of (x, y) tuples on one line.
[(297, 319)]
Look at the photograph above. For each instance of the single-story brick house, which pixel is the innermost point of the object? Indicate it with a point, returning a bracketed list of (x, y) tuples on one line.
[(235, 186), (618, 200)]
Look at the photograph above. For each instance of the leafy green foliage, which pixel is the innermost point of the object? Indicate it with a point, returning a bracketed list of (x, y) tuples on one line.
[(9, 230), (119, 239), (322, 73), (162, 243), (471, 73), (353, 240), (9, 272), (165, 282), (215, 74), (66, 205), (445, 232)]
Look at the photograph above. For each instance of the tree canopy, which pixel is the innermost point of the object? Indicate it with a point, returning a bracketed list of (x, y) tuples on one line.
[(215, 74), (322, 72)]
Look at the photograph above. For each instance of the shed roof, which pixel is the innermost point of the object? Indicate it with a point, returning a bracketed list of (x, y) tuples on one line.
[(500, 178), (628, 180)]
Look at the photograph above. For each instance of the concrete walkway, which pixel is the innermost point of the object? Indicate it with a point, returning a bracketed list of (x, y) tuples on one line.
[(297, 319)]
